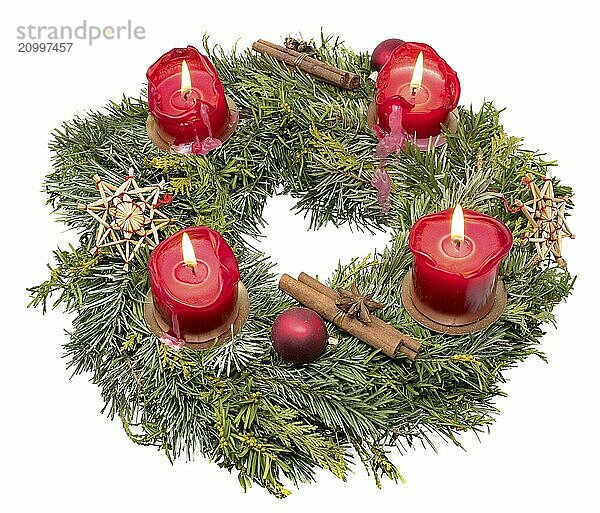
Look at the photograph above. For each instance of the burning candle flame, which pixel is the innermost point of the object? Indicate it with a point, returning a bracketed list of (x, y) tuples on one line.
[(186, 79), (189, 256), (417, 76), (457, 228)]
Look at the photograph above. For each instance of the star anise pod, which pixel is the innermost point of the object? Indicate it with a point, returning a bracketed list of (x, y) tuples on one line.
[(356, 304)]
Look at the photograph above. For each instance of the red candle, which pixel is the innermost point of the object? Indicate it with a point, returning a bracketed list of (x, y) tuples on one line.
[(455, 274), (425, 88), (187, 100), (194, 278)]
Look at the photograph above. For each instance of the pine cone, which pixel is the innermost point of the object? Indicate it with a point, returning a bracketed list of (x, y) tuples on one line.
[(299, 46)]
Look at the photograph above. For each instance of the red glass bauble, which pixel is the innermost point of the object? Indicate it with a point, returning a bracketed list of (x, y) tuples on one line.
[(299, 335), (382, 53)]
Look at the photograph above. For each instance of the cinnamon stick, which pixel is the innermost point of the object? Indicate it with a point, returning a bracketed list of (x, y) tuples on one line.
[(407, 341), (388, 341), (314, 67)]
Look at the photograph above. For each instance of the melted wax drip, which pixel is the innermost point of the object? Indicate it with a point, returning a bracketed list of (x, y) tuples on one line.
[(381, 182), (173, 337), (173, 342), (210, 143), (394, 141)]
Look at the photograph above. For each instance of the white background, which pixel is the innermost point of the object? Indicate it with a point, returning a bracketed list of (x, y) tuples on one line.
[(59, 452)]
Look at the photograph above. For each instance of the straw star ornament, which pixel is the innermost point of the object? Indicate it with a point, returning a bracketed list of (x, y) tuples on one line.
[(545, 214), (128, 216)]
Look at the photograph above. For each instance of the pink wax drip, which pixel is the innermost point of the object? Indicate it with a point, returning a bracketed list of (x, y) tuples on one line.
[(175, 330), (395, 140), (171, 341), (383, 185), (210, 143)]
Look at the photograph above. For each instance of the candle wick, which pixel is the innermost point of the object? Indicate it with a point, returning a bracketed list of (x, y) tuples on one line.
[(192, 267), (457, 244), (187, 99), (413, 95)]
